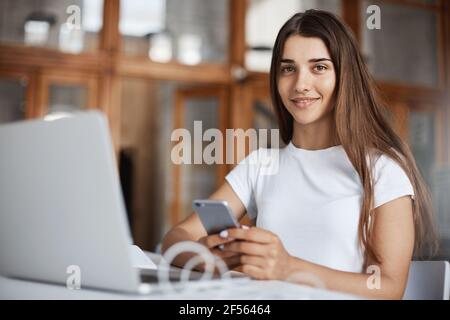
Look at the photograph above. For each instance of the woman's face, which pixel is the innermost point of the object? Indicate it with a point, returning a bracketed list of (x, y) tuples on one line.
[(306, 79)]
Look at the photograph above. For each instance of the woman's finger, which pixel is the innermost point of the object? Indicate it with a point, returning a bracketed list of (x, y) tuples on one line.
[(245, 247), (222, 253), (233, 261), (257, 261), (253, 271), (212, 241), (252, 234)]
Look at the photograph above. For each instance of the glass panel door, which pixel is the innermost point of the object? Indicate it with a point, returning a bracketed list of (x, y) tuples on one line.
[(67, 98), (62, 93), (187, 31), (13, 99), (68, 25), (405, 49), (199, 110), (430, 145)]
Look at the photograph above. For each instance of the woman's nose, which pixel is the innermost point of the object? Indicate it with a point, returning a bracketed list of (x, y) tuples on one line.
[(303, 82)]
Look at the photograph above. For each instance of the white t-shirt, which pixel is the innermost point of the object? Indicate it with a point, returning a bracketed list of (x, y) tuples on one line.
[(311, 199)]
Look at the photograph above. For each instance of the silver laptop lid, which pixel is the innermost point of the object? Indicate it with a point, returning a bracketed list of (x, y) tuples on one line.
[(61, 204)]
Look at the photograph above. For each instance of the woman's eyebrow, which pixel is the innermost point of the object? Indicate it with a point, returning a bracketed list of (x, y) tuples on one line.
[(310, 60), (319, 59)]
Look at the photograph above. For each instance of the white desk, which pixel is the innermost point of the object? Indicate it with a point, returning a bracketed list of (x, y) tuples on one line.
[(250, 290), (244, 289)]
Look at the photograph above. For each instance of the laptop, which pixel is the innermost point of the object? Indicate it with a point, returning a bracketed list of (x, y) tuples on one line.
[(61, 206)]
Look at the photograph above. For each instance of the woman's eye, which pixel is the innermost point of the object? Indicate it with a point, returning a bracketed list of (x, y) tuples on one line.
[(287, 69), (320, 68)]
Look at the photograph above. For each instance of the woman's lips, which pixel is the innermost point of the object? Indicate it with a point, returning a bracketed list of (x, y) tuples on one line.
[(303, 103)]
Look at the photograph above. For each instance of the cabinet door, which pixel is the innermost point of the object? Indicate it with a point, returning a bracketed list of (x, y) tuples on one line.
[(14, 95), (429, 141), (18, 90), (60, 93), (424, 125), (408, 47), (184, 31), (198, 110), (71, 26)]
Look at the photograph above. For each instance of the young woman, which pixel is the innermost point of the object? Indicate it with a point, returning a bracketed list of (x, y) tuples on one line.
[(347, 194)]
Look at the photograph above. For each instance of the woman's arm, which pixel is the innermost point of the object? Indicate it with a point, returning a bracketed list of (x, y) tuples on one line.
[(191, 229), (264, 257)]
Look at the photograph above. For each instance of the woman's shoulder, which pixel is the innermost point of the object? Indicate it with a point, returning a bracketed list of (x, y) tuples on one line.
[(383, 158), (385, 167)]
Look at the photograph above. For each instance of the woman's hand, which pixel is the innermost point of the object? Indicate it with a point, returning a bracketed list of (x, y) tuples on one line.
[(262, 253), (215, 245)]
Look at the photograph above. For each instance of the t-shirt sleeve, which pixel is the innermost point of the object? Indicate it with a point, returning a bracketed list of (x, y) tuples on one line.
[(242, 180), (391, 181)]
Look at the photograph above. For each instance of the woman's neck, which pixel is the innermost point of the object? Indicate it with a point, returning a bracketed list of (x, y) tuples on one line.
[(314, 136)]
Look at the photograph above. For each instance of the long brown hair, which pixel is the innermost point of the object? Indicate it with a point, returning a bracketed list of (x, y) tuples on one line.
[(360, 123)]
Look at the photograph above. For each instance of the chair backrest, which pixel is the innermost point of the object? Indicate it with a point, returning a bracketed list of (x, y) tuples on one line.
[(428, 280)]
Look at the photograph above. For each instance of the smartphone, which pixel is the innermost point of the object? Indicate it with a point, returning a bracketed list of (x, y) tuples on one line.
[(216, 215)]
